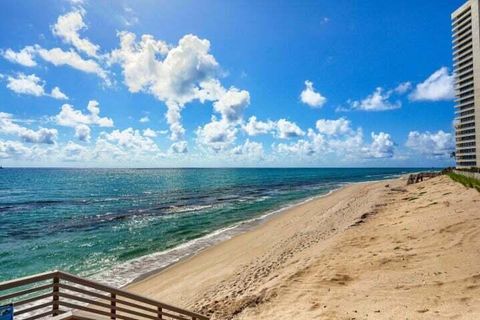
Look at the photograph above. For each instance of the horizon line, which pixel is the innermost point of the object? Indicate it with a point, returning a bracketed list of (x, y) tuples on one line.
[(279, 167)]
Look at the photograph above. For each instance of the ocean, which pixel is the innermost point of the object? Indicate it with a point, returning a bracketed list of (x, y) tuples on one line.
[(117, 224)]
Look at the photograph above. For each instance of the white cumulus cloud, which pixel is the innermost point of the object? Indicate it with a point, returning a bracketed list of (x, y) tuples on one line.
[(282, 128), (336, 137), (59, 57), (311, 97), (249, 150), (74, 152), (431, 143), (67, 28), (217, 135), (144, 119), (232, 104), (24, 57), (255, 127), (299, 148), (173, 74), (32, 85), (26, 84), (82, 132), (58, 94), (73, 118), (149, 133), (377, 101), (403, 87), (13, 150), (382, 146), (438, 86), (179, 147), (177, 75), (128, 141), (287, 129), (333, 127), (9, 126)]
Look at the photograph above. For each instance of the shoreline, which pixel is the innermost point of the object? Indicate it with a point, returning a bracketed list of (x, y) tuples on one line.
[(241, 227), (255, 222), (369, 250), (140, 284), (259, 221), (196, 246)]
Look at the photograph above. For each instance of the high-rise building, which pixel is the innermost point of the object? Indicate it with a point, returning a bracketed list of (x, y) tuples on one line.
[(466, 64)]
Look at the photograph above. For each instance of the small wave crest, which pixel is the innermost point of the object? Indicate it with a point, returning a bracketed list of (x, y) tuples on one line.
[(180, 209)]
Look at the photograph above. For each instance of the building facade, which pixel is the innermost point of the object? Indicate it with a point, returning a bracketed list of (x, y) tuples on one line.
[(466, 65)]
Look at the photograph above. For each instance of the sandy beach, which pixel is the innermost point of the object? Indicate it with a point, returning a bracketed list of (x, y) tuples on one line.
[(380, 250)]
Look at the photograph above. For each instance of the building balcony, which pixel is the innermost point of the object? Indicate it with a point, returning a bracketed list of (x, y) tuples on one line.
[(465, 138), (461, 121), (464, 74), (465, 105), (465, 62), (467, 85), (461, 21), (465, 97), (462, 44), (461, 62), (465, 125), (465, 37), (466, 164), (461, 83), (464, 145), (466, 157), (463, 55), (466, 151), (460, 32), (465, 133), (463, 70), (460, 13), (465, 115)]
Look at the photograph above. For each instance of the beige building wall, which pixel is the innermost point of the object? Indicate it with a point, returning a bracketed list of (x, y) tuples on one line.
[(466, 61)]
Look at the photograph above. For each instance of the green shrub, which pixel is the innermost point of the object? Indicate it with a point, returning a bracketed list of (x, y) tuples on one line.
[(466, 181)]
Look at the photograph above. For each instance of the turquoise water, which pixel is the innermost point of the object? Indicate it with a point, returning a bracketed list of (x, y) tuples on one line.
[(118, 223)]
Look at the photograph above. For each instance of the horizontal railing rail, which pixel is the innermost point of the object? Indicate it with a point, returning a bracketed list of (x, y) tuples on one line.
[(54, 293)]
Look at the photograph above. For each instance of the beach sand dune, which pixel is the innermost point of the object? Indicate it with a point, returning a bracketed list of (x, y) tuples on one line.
[(379, 250)]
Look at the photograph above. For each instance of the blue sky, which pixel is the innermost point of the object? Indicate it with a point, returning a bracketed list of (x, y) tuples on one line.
[(226, 83)]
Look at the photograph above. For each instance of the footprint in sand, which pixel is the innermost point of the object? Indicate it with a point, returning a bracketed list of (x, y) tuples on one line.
[(423, 310)]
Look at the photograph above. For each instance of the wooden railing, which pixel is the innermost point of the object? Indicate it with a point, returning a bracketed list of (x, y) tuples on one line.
[(54, 293), (419, 177)]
